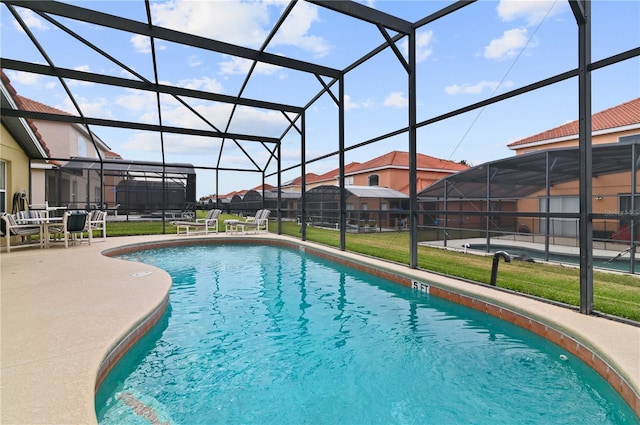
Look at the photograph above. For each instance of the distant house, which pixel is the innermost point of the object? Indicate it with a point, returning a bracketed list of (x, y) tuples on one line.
[(545, 171), (389, 173), (369, 208), (619, 125), (390, 170)]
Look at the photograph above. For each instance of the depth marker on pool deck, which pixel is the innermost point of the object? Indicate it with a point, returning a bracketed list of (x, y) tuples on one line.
[(420, 286)]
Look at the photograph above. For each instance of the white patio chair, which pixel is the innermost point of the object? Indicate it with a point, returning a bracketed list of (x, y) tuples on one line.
[(206, 225), (11, 228), (98, 221)]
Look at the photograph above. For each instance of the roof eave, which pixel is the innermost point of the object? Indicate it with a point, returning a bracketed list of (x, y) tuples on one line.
[(573, 137), (20, 126)]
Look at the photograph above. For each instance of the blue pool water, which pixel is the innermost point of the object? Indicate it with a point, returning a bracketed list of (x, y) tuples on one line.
[(269, 335)]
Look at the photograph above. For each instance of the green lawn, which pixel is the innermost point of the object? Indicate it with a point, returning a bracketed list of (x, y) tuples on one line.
[(614, 294)]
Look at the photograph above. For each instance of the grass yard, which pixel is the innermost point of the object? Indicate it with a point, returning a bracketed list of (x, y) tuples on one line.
[(615, 294)]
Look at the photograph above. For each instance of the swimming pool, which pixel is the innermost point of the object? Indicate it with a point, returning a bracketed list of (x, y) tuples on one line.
[(264, 334)]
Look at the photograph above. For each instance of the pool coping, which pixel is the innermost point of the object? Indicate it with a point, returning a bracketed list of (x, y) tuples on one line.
[(90, 337)]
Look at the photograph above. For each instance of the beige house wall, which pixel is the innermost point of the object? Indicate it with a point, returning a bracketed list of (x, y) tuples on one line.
[(398, 178), (606, 192), (38, 195), (65, 140)]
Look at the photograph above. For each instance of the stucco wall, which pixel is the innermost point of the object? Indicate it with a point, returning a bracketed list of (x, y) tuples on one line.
[(606, 192), (17, 166)]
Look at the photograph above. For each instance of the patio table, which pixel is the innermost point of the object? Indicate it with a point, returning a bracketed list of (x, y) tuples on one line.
[(44, 224), (233, 226)]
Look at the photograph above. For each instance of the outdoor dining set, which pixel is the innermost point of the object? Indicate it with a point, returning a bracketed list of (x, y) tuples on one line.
[(69, 228)]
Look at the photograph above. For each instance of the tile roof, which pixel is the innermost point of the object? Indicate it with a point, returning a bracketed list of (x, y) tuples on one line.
[(267, 186), (333, 174), (622, 115), (27, 104), (112, 155), (400, 159), (298, 180), (19, 103)]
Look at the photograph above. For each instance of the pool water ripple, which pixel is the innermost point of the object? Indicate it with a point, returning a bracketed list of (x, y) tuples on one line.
[(261, 335)]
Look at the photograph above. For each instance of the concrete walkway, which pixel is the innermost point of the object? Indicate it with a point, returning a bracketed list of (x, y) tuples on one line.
[(63, 311)]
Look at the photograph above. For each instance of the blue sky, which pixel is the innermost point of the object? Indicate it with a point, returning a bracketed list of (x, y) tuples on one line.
[(485, 49)]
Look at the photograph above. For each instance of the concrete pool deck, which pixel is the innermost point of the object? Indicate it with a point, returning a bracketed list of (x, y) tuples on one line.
[(64, 310)]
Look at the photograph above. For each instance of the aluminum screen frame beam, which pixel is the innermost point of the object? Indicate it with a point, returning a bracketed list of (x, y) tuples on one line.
[(91, 77), (582, 13), (116, 22), (367, 14)]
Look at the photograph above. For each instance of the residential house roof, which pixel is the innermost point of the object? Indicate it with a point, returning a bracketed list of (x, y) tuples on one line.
[(333, 174), (298, 180), (267, 186), (626, 114), (23, 130), (400, 159), (27, 104)]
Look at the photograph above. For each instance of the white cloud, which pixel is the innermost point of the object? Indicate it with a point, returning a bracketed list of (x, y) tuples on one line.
[(348, 104), (237, 22), (173, 144), (424, 40), (31, 20), (142, 44), (295, 30), (508, 45), (241, 66), (137, 101), (242, 23), (396, 100), (203, 84), (249, 120), (26, 78), (217, 114), (477, 88), (97, 107), (84, 68), (194, 61), (423, 45), (532, 11)]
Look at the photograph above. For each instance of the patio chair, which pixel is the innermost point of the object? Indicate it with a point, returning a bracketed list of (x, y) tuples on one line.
[(260, 222), (74, 224), (210, 223), (98, 221), (11, 229)]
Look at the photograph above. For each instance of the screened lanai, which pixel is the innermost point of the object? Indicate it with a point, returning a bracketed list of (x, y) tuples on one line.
[(180, 118), (274, 200), (124, 187), (534, 198), (369, 208)]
